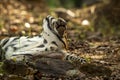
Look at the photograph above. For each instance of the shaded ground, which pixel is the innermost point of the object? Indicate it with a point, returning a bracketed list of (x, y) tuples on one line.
[(102, 52)]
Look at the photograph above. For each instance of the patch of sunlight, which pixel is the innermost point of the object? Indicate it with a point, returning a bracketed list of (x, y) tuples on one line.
[(27, 25), (85, 23), (91, 56)]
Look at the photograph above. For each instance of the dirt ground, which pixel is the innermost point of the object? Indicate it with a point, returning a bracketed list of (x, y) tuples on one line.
[(102, 52)]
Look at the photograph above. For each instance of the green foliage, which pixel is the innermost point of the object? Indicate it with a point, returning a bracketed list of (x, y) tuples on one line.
[(53, 3), (62, 3), (106, 28), (1, 23), (1, 70)]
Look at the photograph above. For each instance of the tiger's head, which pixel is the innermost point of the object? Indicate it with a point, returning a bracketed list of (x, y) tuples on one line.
[(57, 27)]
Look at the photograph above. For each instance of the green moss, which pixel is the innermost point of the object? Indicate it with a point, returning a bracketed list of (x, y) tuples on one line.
[(1, 70)]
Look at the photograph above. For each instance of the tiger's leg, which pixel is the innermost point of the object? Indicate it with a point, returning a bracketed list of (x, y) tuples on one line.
[(73, 58)]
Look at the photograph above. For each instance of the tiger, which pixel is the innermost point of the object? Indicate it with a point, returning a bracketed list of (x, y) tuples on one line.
[(52, 38)]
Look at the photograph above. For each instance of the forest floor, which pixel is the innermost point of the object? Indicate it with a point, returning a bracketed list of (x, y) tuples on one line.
[(102, 52)]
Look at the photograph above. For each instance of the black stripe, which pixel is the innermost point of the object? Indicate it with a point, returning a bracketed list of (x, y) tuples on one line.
[(25, 45), (45, 41), (48, 23), (39, 35), (60, 26), (15, 39), (22, 54), (2, 54), (46, 49), (15, 48), (52, 48), (52, 18), (70, 57), (41, 46), (30, 40), (67, 57), (5, 41), (6, 48), (53, 42)]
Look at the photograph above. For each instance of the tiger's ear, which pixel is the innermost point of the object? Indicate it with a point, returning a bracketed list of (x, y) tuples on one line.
[(61, 21)]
